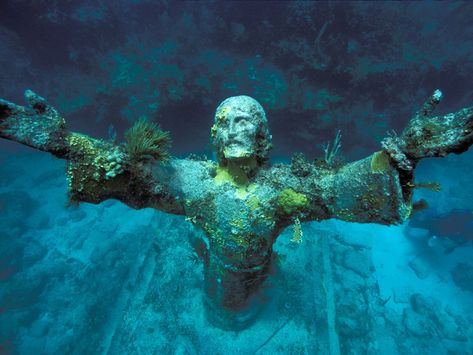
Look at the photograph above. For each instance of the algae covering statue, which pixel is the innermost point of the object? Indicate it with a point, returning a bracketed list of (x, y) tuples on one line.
[(241, 202)]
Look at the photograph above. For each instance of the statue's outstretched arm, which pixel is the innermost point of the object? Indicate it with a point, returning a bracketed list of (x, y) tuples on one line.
[(379, 188), (370, 190), (96, 169)]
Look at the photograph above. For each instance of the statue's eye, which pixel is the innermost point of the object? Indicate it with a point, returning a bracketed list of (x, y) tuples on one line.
[(240, 119)]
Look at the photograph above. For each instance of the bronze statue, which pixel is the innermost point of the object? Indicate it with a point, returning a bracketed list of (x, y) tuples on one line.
[(241, 202)]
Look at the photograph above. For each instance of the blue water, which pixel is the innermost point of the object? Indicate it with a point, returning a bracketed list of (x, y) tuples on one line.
[(107, 279)]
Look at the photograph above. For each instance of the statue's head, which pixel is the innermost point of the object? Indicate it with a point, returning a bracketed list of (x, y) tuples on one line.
[(240, 131)]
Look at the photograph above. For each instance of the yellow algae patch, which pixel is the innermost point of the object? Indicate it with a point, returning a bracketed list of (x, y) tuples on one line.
[(290, 201), (233, 176), (223, 176), (243, 191), (380, 162), (253, 202)]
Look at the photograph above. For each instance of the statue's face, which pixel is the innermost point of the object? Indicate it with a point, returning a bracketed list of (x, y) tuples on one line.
[(240, 130), (236, 129)]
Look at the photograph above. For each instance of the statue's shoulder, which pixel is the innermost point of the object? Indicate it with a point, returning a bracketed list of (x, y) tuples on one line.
[(187, 169), (273, 175), (294, 175), (193, 177)]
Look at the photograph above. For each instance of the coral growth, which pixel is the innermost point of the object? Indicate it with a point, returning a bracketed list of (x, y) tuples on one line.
[(145, 140)]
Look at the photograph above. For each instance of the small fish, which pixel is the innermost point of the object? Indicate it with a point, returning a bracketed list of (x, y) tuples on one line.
[(297, 233)]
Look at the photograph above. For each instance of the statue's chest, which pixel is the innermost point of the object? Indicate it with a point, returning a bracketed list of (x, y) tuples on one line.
[(237, 216), (244, 212)]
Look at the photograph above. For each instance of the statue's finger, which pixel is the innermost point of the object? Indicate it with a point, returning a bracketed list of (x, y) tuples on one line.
[(8, 108), (429, 106), (36, 102)]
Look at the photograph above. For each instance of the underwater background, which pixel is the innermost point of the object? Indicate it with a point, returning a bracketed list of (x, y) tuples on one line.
[(107, 279)]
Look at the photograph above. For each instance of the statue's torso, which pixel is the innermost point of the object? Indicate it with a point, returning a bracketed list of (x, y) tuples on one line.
[(241, 220)]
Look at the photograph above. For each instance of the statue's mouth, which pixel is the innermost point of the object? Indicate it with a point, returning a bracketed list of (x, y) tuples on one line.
[(235, 143)]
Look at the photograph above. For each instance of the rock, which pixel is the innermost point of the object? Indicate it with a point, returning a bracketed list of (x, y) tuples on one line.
[(400, 295), (77, 215), (358, 261), (462, 275), (416, 324), (356, 240), (427, 313), (417, 233), (349, 327), (421, 269), (422, 305)]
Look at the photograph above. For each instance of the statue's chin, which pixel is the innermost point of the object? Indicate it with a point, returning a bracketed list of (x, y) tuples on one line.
[(237, 153)]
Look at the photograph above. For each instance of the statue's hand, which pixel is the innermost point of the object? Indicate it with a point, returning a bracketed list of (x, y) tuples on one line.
[(38, 124), (431, 136)]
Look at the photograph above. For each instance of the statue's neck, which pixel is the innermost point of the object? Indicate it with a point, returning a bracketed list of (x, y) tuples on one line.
[(239, 171)]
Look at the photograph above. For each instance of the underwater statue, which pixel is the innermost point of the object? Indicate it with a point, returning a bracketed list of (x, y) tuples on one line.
[(241, 202)]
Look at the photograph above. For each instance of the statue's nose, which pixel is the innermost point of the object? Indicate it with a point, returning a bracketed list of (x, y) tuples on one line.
[(232, 129)]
